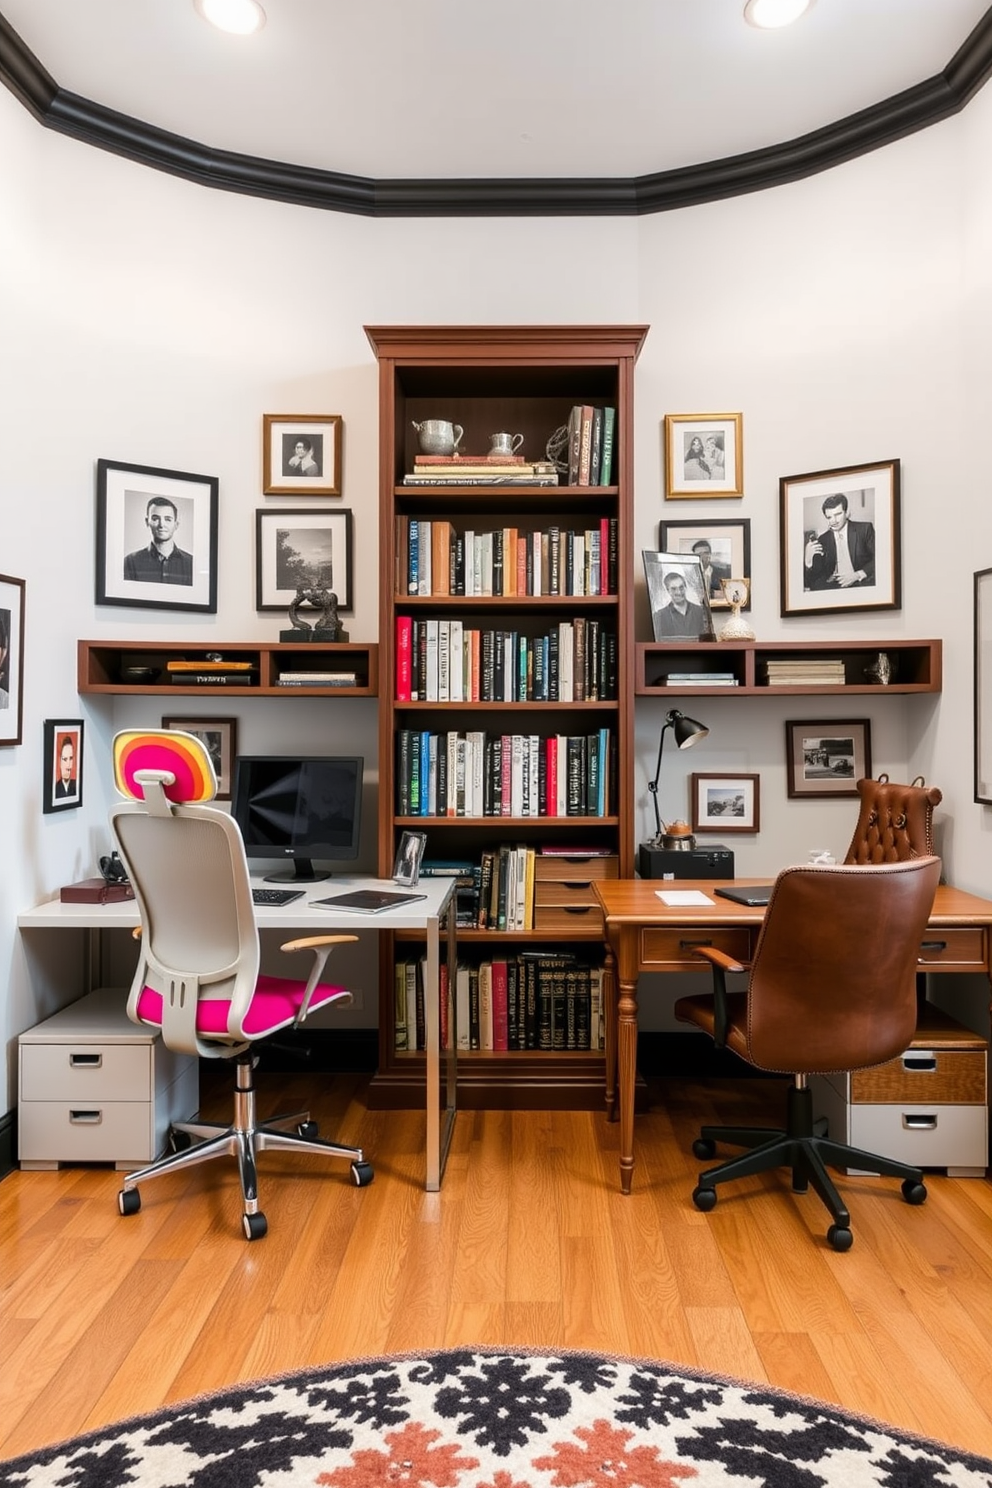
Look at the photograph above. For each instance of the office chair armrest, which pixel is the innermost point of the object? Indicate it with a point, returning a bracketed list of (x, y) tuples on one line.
[(720, 965), (321, 946)]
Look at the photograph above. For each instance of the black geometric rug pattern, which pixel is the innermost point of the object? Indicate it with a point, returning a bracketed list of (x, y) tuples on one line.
[(491, 1418)]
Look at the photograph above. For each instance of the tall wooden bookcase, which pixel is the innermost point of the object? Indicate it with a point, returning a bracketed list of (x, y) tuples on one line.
[(526, 380)]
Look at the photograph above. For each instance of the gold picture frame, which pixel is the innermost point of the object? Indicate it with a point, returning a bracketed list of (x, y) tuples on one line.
[(301, 454), (704, 455)]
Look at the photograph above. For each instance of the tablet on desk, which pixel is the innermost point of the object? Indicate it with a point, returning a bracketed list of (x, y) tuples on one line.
[(367, 901), (753, 894)]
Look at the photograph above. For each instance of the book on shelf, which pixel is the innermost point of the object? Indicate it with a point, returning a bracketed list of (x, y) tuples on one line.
[(210, 666), (317, 679), (443, 462), (483, 478), (696, 679), (213, 679)]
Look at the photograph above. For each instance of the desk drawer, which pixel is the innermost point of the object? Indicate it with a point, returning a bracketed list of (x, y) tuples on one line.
[(926, 1136), (671, 949), (565, 893), (954, 949), (579, 919), (578, 867), (85, 1072), (946, 1077), (63, 1131)]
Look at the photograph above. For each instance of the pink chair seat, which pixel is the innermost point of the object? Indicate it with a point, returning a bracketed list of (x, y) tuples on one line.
[(275, 1003)]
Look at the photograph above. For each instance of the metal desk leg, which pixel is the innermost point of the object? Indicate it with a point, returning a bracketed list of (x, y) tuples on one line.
[(439, 1132)]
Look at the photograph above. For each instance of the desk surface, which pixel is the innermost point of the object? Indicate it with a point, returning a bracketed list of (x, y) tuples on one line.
[(635, 901)]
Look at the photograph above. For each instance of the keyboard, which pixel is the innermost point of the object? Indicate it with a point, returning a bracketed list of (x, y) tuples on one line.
[(275, 896)]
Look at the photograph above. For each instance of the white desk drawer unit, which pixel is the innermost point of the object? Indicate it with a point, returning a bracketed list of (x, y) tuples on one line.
[(928, 1107), (95, 1087)]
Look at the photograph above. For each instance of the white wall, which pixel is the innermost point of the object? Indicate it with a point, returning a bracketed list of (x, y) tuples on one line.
[(149, 320)]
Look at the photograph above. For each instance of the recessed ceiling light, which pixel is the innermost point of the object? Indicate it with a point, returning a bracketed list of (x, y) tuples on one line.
[(771, 13), (242, 17)]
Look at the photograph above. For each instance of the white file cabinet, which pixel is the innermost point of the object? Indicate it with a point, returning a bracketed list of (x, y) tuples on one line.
[(95, 1087), (928, 1107)]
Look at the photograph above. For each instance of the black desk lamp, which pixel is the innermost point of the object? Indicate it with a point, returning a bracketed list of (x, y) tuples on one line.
[(686, 732)]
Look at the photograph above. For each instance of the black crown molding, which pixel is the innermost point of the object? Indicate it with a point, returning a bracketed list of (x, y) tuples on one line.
[(916, 108)]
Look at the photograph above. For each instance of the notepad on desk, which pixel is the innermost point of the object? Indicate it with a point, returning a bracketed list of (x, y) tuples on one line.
[(683, 896), (366, 901)]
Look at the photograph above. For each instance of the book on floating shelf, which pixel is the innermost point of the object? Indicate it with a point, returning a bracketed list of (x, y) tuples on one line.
[(213, 679), (317, 679), (210, 666)]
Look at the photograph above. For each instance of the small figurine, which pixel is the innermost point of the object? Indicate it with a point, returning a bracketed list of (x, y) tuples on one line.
[(327, 626)]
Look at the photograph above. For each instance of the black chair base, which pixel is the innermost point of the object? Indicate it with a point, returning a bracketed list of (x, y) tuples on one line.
[(243, 1140), (804, 1148)]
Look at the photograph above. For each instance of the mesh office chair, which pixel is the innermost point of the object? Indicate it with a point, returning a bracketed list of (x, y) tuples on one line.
[(895, 823), (198, 977), (832, 987)]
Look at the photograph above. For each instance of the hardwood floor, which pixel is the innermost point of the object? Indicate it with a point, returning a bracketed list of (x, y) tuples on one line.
[(529, 1242)]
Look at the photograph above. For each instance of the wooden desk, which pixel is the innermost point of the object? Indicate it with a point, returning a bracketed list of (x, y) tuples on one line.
[(435, 909), (645, 934)]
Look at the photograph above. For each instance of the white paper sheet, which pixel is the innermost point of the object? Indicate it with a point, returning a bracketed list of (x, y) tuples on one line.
[(684, 896)]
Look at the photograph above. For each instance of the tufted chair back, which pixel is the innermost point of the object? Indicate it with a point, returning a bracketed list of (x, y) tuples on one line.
[(895, 823)]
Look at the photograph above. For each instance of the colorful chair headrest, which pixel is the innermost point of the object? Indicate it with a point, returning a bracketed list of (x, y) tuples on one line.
[(182, 755)]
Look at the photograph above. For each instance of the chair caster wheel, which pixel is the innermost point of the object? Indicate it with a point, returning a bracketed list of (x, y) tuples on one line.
[(129, 1201), (362, 1174), (840, 1237), (704, 1149), (704, 1198), (308, 1129), (254, 1225), (913, 1192), (180, 1141)]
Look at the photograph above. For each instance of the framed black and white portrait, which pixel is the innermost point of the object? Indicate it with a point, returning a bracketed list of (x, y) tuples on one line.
[(725, 803), (704, 455), (839, 540), (301, 454), (11, 659), (219, 737), (156, 538), (409, 855), (302, 549), (723, 550), (62, 769), (680, 606)]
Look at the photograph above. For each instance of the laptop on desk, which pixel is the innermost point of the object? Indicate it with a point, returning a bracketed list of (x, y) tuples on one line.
[(750, 894)]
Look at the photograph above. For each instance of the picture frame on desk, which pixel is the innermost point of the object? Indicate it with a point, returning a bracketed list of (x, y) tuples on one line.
[(725, 803), (704, 455), (301, 454), (816, 576), (730, 551), (409, 856), (156, 538), (11, 659), (62, 766), (219, 737), (827, 757), (302, 548)]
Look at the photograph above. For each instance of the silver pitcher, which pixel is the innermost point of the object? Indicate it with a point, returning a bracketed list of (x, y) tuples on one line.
[(438, 436)]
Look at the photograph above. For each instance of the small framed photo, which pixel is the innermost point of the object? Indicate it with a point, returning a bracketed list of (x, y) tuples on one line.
[(827, 757), (839, 540), (63, 764), (723, 550), (725, 803), (156, 538), (11, 659), (301, 454), (302, 549), (680, 607), (219, 737), (409, 855), (704, 455)]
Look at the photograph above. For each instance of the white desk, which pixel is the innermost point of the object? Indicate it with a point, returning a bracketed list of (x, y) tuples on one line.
[(427, 914)]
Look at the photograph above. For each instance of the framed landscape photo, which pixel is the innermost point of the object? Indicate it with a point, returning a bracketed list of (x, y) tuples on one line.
[(680, 607), (839, 540), (219, 737), (156, 538), (827, 757), (723, 550), (302, 549), (11, 659), (725, 803), (63, 765), (704, 455), (301, 454)]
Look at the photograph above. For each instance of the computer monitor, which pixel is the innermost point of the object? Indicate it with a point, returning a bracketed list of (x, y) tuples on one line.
[(298, 808)]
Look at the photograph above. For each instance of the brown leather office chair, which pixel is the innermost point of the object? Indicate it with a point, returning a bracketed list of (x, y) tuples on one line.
[(895, 823), (832, 987)]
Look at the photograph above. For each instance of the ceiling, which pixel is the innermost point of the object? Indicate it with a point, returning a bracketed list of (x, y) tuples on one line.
[(398, 90)]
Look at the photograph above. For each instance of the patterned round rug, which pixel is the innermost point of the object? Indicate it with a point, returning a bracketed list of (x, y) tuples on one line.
[(491, 1418)]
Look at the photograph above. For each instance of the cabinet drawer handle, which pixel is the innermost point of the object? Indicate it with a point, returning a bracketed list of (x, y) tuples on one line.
[(85, 1061), (920, 1123), (85, 1118), (689, 945), (578, 908), (920, 1060), (933, 945), (575, 884)]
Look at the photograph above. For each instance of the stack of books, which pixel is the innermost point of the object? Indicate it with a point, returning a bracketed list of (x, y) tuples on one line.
[(804, 672), (480, 470), (317, 679), (696, 679), (211, 673)]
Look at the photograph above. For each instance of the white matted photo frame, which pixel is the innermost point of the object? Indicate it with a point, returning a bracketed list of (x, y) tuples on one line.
[(62, 768), (156, 538), (725, 803), (301, 454), (680, 607), (302, 549), (219, 737), (840, 540), (11, 659), (409, 856), (723, 550), (704, 455), (828, 756)]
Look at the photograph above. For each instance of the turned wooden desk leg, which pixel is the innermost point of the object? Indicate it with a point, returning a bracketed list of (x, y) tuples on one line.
[(626, 1051), (610, 1031)]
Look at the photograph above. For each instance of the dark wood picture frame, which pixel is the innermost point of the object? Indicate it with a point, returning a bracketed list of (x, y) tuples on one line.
[(301, 454), (302, 547), (983, 686), (658, 569), (725, 802), (219, 737), (62, 765), (12, 594), (127, 570), (730, 545), (810, 580), (826, 757)]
